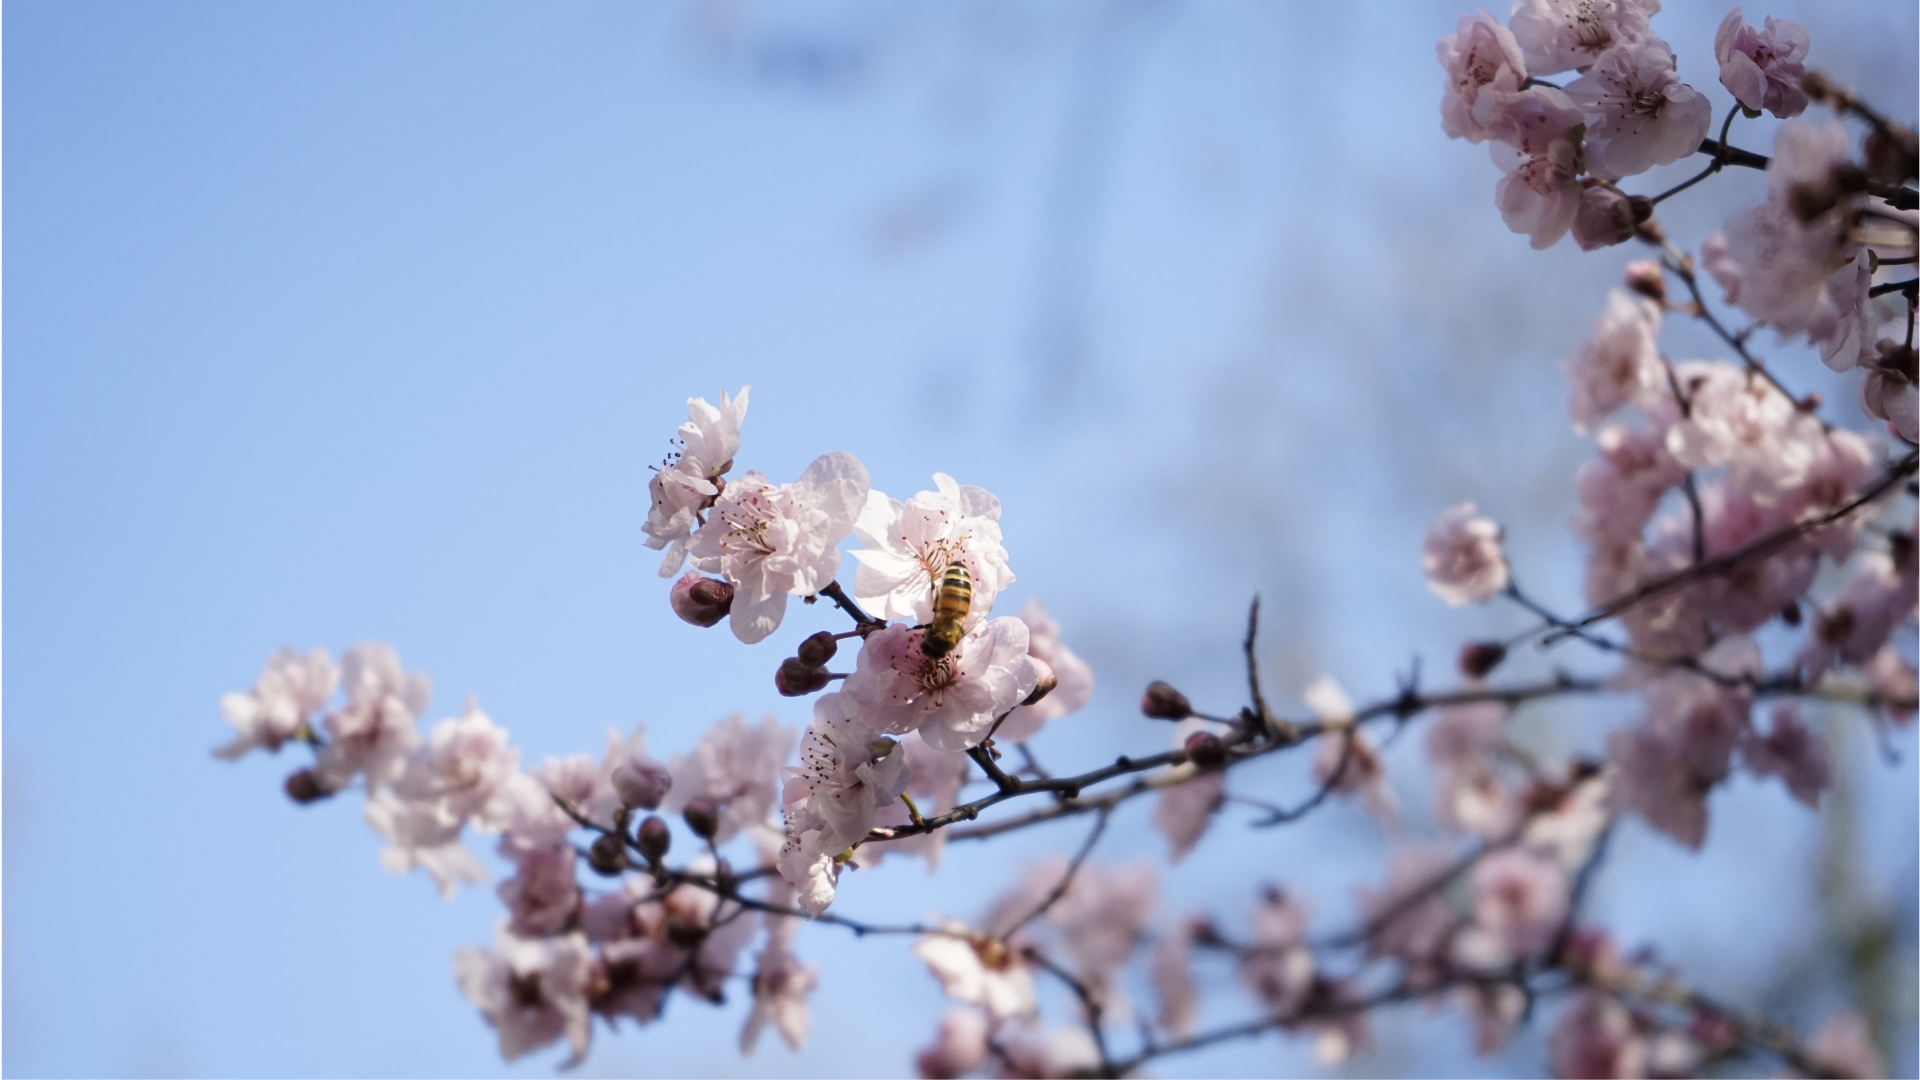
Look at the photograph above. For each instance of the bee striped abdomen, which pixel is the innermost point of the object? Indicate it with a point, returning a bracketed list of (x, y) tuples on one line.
[(950, 606)]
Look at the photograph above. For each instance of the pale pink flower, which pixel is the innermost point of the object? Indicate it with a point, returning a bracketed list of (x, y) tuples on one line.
[(1415, 931), (950, 701), (773, 541), (1538, 152), (1483, 63), (611, 916), (462, 766), (1184, 810), (1843, 325), (1843, 462), (736, 765), (1878, 596), (1762, 68), (542, 896), (1639, 114), (1074, 685), (847, 774), (1607, 216), (1173, 983), (290, 689), (1468, 732), (909, 545), (1664, 771), (1894, 683), (1462, 557), (1470, 797), (781, 984), (1777, 267), (687, 483), (1894, 400), (1843, 1043), (1561, 35), (1743, 422), (1519, 898), (1596, 1036), (978, 970), (1347, 761), (1102, 918), (959, 1048), (1619, 364), (1278, 966), (532, 992), (1568, 832), (1495, 1009), (423, 834), (1620, 493), (719, 927), (1062, 1053), (373, 733), (1791, 752)]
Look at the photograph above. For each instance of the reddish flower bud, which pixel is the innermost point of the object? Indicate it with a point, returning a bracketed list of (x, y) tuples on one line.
[(641, 782), (817, 649), (701, 600), (1791, 613), (1645, 277), (608, 855), (1477, 658), (1163, 702), (797, 679), (655, 837), (1042, 688), (1205, 749), (1606, 217), (703, 817), (305, 787)]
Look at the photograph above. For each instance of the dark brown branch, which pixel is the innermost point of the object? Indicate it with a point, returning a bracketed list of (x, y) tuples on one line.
[(835, 593)]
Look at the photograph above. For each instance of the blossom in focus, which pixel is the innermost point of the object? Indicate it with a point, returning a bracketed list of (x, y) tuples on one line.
[(687, 483), (1561, 35), (1639, 114), (1539, 152), (290, 689), (735, 765), (532, 992), (1791, 752), (1483, 64), (1278, 965), (772, 541), (1074, 685), (1762, 68), (373, 733), (978, 970), (907, 546), (847, 773), (1462, 557), (959, 1048), (1619, 364), (952, 700)]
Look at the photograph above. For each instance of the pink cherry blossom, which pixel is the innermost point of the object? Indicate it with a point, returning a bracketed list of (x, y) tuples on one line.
[(1185, 809), (1791, 752), (371, 736), (1278, 964), (1844, 1043), (1619, 364), (533, 993), (542, 896), (290, 689), (978, 970), (1568, 832), (959, 1048), (1495, 1009), (736, 765), (1639, 114), (1462, 557), (1886, 397), (1620, 493), (1596, 1036), (1561, 35), (909, 545), (951, 701), (1781, 268), (1743, 421), (1665, 770), (710, 931), (772, 541), (1415, 931), (1843, 462), (1878, 596), (688, 482), (1895, 683), (1762, 68), (1173, 982), (1483, 64), (1537, 149), (781, 984), (1101, 919), (1062, 1053), (847, 773), (1074, 685), (1520, 899)]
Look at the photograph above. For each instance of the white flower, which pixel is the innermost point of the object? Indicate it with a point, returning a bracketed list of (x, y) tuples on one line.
[(1619, 364), (737, 766), (686, 484), (1762, 68), (1539, 151), (847, 774), (373, 733), (542, 895), (1483, 64), (290, 689), (953, 700), (771, 541), (1639, 113), (1074, 679), (531, 992), (980, 971), (1744, 422), (958, 1049), (908, 546), (1462, 557)]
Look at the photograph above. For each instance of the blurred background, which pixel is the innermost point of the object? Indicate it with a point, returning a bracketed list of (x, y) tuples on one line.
[(365, 321)]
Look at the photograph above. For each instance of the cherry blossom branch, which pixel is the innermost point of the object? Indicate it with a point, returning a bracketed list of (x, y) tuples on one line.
[(835, 593), (1759, 548), (1680, 265), (1278, 728), (1088, 1002)]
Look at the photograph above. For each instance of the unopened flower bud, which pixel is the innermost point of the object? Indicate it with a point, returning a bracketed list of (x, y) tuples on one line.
[(305, 787), (1163, 702), (654, 839), (1645, 277), (1650, 232), (703, 817), (797, 679), (641, 782), (1606, 217), (607, 855), (1205, 749), (1816, 86), (1791, 613), (1048, 680), (701, 600), (1477, 658), (817, 649)]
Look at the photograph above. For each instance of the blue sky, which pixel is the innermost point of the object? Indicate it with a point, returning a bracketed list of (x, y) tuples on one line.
[(360, 321)]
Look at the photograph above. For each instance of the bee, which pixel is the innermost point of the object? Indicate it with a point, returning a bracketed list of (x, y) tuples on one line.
[(950, 605)]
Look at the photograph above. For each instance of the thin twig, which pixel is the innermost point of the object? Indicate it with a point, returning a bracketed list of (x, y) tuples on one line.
[(1066, 880)]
